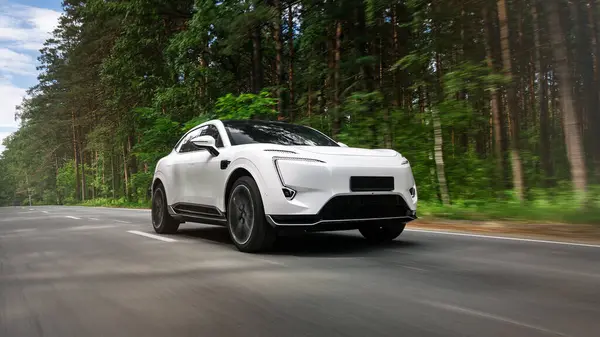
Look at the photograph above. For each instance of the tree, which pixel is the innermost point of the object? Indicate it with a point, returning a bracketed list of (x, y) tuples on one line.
[(571, 123)]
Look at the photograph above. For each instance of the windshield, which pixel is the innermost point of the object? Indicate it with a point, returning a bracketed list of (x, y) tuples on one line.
[(247, 132)]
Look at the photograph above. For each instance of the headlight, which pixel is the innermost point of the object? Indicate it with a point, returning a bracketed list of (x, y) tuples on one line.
[(288, 192)]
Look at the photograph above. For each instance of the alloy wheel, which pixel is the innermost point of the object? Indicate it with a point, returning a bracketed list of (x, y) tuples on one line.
[(158, 208), (241, 218)]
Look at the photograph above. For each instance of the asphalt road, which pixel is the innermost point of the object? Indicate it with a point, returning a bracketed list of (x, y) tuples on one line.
[(70, 271)]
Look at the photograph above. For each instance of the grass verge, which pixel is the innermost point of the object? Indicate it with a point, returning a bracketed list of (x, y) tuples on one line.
[(512, 212), (117, 203)]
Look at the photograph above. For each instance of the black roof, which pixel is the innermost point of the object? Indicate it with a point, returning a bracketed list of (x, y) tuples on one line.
[(240, 122)]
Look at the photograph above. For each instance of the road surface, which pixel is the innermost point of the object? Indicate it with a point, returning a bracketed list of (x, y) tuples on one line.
[(74, 271)]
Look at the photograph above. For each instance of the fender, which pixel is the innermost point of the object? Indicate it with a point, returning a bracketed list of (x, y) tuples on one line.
[(249, 166), (159, 175)]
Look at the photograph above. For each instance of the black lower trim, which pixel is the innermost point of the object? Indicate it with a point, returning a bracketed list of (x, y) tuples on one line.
[(340, 226), (353, 208), (194, 209), (203, 220), (198, 213)]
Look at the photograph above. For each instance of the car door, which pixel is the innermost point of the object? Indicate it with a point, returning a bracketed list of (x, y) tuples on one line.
[(204, 169), (181, 166)]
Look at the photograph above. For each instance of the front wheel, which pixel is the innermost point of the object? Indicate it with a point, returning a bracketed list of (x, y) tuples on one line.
[(382, 233), (162, 221), (247, 225)]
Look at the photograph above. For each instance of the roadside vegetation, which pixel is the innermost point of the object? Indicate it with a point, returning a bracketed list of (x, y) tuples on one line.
[(493, 102)]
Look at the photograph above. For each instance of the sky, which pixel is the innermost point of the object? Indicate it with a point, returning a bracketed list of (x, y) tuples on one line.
[(24, 26)]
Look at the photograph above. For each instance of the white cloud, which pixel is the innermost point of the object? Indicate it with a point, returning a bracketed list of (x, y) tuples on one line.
[(12, 62), (23, 31), (26, 27), (2, 136), (11, 97)]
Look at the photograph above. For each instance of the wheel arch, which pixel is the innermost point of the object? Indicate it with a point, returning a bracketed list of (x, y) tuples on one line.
[(159, 179), (244, 168), (155, 184)]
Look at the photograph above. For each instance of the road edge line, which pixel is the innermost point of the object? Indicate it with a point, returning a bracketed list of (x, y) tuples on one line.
[(482, 236)]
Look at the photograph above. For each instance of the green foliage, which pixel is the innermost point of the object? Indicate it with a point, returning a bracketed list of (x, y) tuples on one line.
[(364, 120), (246, 106), (66, 182), (159, 133), (140, 182), (549, 206)]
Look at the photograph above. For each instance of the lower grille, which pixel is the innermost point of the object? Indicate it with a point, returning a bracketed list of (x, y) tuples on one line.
[(364, 207)]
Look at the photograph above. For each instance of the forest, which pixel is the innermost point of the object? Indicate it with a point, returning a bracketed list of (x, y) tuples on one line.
[(494, 102)]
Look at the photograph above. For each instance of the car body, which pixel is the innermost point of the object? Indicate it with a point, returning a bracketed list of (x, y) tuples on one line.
[(294, 177)]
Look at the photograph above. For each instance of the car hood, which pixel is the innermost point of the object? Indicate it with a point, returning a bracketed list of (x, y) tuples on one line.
[(345, 151)]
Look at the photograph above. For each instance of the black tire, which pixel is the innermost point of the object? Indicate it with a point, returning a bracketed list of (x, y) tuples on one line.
[(381, 232), (246, 222), (162, 221)]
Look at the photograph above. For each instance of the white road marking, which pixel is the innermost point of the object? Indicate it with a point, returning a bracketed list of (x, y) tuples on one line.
[(72, 217), (503, 238), (31, 209), (45, 212), (152, 236), (94, 219), (119, 221), (90, 227), (489, 316), (25, 230), (268, 261)]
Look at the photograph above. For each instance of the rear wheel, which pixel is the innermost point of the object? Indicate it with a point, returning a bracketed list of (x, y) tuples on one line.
[(247, 224), (162, 221), (382, 232)]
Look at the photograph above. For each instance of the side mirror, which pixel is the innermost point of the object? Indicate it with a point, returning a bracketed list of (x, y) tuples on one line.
[(206, 142), (342, 144)]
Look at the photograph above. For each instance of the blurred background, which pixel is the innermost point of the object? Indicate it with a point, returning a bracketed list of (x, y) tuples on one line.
[(493, 102)]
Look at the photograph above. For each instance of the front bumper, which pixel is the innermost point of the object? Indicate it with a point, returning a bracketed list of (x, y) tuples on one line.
[(323, 196), (349, 209)]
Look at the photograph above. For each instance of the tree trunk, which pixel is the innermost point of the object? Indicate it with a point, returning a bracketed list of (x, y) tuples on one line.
[(439, 157), (517, 169), (291, 60), (103, 169), (75, 156), (541, 64), (496, 99), (125, 172), (204, 85), (594, 114), (57, 169), (113, 176), (278, 56), (571, 124), (438, 136), (337, 122), (95, 175), (83, 182), (257, 68), (396, 85)]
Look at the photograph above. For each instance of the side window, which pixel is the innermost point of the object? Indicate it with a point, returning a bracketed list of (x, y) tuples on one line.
[(186, 145), (212, 131)]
